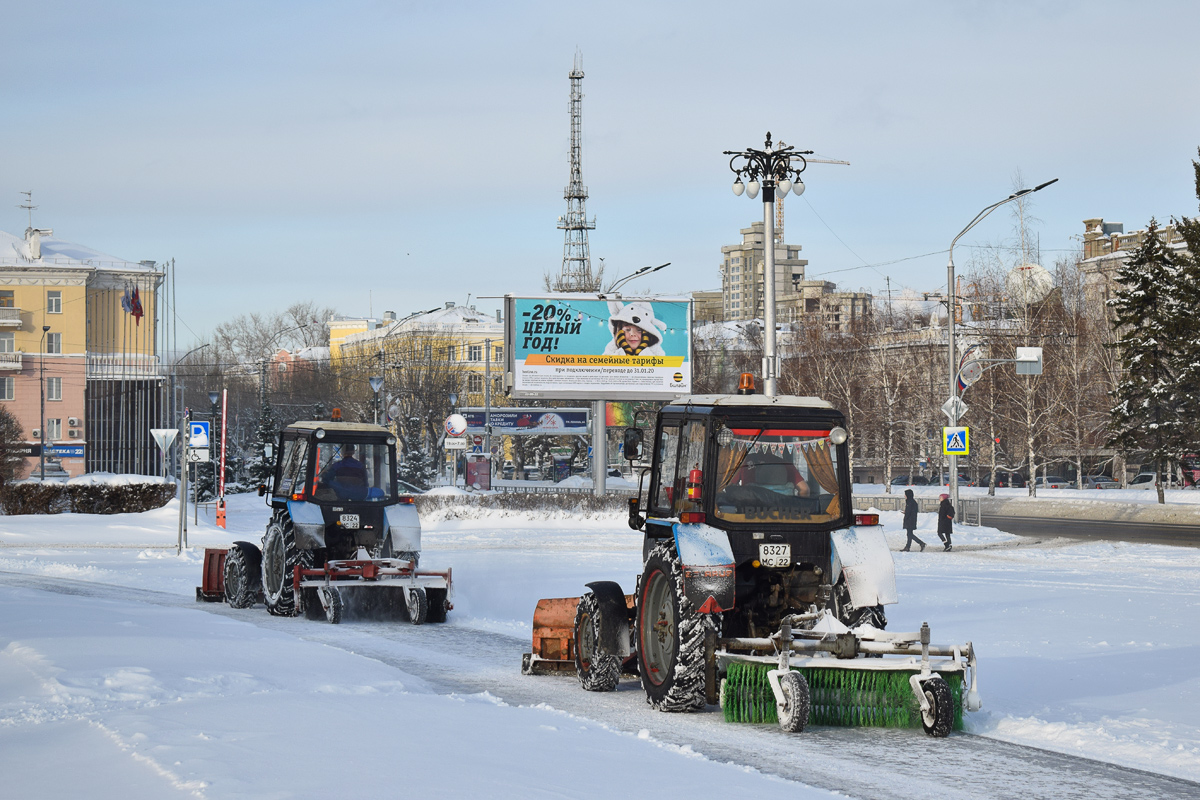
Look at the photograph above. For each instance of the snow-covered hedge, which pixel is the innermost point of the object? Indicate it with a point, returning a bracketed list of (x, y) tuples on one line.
[(95, 493), (466, 505)]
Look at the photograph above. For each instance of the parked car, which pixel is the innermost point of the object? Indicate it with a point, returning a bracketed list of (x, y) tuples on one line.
[(963, 479), (1010, 480), (404, 487), (1143, 480), (1053, 482), (910, 480), (1100, 482)]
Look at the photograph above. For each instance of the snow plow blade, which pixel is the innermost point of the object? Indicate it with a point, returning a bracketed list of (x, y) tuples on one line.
[(553, 638)]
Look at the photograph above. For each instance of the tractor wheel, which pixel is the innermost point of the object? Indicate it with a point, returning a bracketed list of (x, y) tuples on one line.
[(670, 636), (243, 576), (938, 720), (848, 615), (598, 672), (418, 606), (405, 555), (796, 701), (280, 556)]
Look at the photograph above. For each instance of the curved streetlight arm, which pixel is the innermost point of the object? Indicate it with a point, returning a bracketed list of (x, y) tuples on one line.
[(637, 274), (950, 309)]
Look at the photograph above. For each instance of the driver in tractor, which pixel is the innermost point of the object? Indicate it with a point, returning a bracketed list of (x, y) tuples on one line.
[(346, 477)]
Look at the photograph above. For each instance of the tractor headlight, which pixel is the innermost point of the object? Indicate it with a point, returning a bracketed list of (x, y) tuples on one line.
[(320, 434), (838, 435)]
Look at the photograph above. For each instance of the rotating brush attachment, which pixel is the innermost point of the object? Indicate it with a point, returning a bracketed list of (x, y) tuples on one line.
[(839, 697)]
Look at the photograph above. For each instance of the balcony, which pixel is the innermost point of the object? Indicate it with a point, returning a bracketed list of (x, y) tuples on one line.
[(10, 317), (10, 360)]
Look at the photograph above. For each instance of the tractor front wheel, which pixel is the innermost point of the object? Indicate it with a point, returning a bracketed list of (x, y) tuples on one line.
[(243, 578), (597, 671)]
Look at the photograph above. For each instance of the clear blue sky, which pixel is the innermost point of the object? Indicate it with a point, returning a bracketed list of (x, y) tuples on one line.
[(285, 151)]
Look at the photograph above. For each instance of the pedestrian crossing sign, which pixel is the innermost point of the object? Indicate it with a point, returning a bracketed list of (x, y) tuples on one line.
[(956, 441)]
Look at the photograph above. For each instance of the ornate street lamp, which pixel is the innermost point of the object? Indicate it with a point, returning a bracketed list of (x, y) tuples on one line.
[(775, 168)]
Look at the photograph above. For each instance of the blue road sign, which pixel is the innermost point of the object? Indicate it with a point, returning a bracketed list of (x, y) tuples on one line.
[(956, 441), (198, 434)]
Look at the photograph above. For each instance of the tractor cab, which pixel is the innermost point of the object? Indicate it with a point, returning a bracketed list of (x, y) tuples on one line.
[(337, 482)]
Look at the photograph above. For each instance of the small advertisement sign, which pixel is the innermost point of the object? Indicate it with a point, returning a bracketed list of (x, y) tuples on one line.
[(590, 347), (530, 421)]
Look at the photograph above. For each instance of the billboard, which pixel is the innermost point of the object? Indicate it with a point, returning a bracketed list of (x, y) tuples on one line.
[(530, 421), (591, 347)]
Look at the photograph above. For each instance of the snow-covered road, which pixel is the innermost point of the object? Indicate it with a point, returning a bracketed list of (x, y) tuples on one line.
[(1085, 649)]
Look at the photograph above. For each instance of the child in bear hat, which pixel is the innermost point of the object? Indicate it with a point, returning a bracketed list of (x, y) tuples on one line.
[(636, 331)]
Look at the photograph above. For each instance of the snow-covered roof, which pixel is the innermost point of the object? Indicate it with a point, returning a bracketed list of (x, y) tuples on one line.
[(452, 318), (15, 252)]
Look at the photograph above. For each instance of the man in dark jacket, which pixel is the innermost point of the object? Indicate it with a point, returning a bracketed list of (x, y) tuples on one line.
[(910, 521), (945, 521)]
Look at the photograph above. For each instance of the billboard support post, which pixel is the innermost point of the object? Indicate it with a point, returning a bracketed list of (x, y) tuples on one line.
[(599, 448)]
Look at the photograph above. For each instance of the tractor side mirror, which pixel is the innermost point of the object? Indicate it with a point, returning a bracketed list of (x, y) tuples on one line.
[(262, 489), (633, 444)]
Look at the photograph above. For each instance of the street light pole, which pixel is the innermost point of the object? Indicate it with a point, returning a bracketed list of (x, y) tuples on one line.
[(952, 405), (42, 426), (776, 167)]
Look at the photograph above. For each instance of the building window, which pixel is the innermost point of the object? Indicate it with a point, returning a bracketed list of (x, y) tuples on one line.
[(54, 429), (427, 352), (54, 343), (474, 383), (54, 388), (7, 342), (450, 353), (8, 389), (54, 302), (499, 353), (475, 352), (6, 298)]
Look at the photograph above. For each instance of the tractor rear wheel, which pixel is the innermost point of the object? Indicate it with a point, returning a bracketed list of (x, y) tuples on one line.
[(597, 672), (243, 577), (670, 636), (280, 557), (938, 720)]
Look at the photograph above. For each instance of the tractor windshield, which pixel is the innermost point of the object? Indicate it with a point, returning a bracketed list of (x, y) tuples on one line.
[(353, 471), (776, 475)]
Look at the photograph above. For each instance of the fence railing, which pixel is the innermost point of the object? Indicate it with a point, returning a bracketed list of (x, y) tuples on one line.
[(967, 512)]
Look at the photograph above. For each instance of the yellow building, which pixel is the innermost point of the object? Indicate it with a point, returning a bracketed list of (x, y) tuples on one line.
[(78, 337), (460, 340)]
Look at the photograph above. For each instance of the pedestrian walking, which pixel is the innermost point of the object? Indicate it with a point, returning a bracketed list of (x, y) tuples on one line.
[(910, 521), (945, 521)]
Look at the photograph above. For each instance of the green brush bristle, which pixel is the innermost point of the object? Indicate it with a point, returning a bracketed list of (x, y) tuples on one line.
[(842, 697)]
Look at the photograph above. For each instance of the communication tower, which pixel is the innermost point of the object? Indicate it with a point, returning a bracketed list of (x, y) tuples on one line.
[(576, 274)]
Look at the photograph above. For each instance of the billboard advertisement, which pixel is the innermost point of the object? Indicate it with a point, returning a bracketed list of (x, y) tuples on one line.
[(530, 421), (590, 347)]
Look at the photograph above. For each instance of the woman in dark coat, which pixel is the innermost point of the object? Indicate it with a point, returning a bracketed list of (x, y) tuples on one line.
[(945, 521), (910, 521)]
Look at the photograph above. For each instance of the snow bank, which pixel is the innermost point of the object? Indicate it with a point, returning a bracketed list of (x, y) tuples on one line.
[(115, 479)]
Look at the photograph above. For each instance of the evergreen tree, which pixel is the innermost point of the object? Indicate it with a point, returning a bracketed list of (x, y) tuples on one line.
[(1189, 300), (1150, 320), (417, 467), (259, 466)]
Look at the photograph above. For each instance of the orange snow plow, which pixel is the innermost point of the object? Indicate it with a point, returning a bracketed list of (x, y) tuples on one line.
[(554, 623)]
